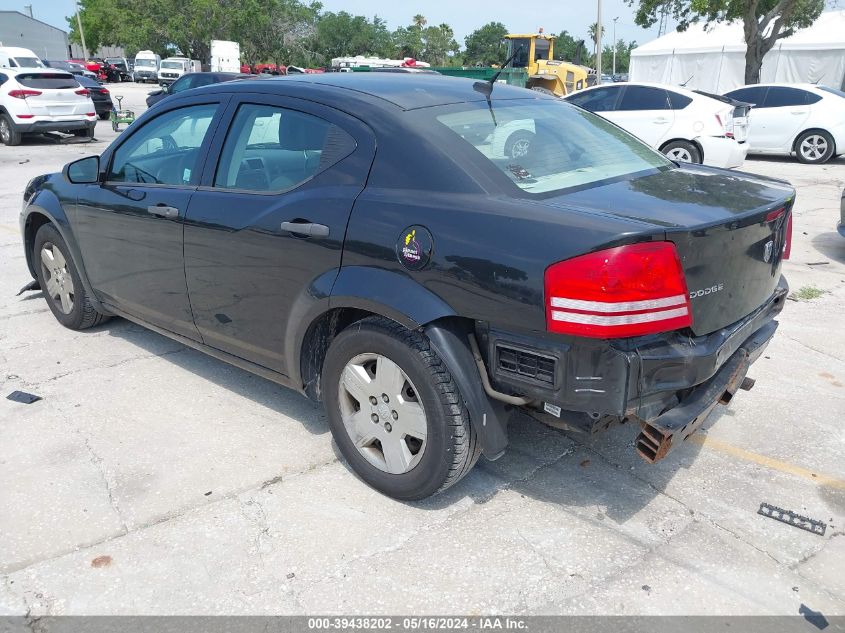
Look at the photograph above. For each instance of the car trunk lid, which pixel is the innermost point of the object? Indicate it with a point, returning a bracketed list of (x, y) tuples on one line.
[(729, 230), (58, 94)]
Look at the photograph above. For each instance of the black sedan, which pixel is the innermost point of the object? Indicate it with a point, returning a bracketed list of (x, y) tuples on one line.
[(99, 94), (191, 80), (364, 239)]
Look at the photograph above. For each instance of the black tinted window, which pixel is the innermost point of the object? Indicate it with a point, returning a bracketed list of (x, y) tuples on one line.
[(274, 149), (677, 100), (47, 81), (183, 83), (598, 100), (644, 98), (3, 78), (752, 94), (779, 97), (166, 150)]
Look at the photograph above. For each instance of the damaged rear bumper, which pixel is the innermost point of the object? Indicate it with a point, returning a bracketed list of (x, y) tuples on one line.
[(660, 435)]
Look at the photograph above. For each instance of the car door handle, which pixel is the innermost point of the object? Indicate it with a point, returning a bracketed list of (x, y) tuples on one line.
[(661, 121), (163, 211), (798, 112), (306, 229)]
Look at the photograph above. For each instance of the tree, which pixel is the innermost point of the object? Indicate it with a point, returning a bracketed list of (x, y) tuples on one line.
[(486, 46), (342, 35), (568, 49), (623, 56), (764, 21), (439, 45)]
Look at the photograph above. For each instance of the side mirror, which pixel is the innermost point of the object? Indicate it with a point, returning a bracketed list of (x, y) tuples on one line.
[(83, 171)]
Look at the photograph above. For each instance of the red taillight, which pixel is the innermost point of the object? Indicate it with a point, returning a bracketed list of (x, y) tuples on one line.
[(104, 91), (83, 92), (787, 245), (23, 94), (25, 116), (771, 216), (90, 114), (618, 292)]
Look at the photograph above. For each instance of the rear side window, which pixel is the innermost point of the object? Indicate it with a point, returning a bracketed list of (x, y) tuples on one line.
[(47, 81), (3, 79), (598, 100), (779, 97), (677, 100), (166, 150), (753, 95), (269, 148), (644, 98)]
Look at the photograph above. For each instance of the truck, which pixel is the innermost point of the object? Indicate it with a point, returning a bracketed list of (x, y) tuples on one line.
[(146, 66), (225, 57), (16, 57), (172, 68)]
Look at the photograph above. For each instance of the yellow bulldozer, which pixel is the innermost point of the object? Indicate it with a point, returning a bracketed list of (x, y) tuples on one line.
[(545, 73)]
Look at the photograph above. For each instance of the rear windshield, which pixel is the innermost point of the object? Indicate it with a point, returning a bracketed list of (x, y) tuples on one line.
[(543, 146), (49, 81)]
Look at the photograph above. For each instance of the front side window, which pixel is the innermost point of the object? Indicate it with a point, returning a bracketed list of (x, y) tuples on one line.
[(644, 98), (166, 150), (269, 148), (566, 147), (779, 97), (753, 95)]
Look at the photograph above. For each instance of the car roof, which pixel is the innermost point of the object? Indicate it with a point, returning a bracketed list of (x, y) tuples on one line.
[(800, 86), (408, 91)]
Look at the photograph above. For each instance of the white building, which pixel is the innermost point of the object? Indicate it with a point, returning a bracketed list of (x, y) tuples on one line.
[(714, 59)]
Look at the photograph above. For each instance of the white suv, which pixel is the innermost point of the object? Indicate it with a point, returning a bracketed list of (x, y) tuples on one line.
[(36, 100), (687, 126)]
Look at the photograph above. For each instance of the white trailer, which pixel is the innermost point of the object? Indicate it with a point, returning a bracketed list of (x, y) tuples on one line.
[(225, 56)]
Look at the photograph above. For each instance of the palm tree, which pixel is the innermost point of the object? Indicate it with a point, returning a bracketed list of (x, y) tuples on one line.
[(592, 32), (420, 21)]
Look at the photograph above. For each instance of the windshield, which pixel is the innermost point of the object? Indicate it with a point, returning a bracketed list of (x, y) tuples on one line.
[(541, 48), (145, 62), (548, 146), (834, 91), (171, 64), (29, 62)]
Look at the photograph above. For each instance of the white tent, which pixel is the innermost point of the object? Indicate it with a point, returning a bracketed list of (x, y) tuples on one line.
[(714, 59)]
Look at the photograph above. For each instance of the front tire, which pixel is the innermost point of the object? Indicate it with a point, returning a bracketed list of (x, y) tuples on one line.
[(814, 147), (9, 135), (59, 280), (395, 411), (683, 152)]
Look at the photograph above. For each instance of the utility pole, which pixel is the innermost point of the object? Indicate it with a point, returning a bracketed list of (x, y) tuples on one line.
[(614, 44), (598, 44), (81, 33)]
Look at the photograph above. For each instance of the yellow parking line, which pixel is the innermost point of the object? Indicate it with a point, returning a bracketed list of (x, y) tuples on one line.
[(768, 462)]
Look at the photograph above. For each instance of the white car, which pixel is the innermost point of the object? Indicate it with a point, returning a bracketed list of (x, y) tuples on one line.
[(803, 119), (36, 100), (685, 125)]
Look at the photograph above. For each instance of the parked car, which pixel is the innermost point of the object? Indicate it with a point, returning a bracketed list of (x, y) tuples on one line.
[(71, 67), (37, 100), (801, 119), (122, 66), (192, 80), (16, 57), (841, 226), (685, 125), (100, 96), (588, 283)]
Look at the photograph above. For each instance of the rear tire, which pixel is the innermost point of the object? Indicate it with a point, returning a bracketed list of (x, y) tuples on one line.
[(814, 147), (395, 411), (682, 151), (59, 280), (104, 116), (9, 135)]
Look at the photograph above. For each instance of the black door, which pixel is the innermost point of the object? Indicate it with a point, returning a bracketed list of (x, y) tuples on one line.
[(263, 235), (130, 227)]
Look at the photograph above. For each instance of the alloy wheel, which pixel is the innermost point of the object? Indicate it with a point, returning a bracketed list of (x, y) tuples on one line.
[(57, 277), (814, 147), (680, 154), (382, 413)]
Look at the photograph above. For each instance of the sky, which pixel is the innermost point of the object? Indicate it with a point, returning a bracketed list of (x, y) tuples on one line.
[(463, 16)]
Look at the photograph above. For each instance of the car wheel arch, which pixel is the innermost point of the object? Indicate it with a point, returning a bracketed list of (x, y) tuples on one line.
[(691, 141), (814, 129)]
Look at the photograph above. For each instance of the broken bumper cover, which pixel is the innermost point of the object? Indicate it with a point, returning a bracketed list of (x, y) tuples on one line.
[(665, 432)]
